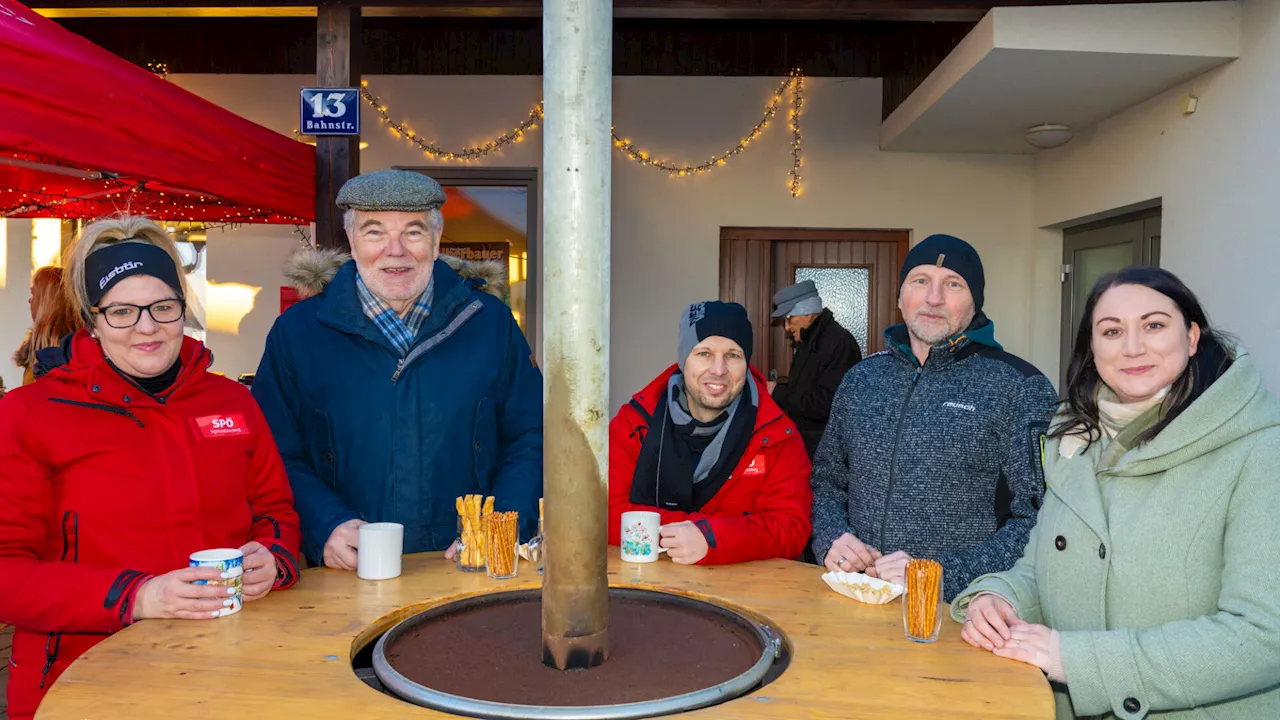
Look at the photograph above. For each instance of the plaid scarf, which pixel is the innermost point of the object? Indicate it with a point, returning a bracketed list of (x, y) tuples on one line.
[(400, 331)]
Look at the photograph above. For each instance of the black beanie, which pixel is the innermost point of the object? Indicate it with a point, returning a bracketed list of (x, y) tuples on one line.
[(953, 254), (702, 320)]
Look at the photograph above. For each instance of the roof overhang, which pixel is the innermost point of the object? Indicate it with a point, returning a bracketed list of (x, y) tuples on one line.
[(1074, 65)]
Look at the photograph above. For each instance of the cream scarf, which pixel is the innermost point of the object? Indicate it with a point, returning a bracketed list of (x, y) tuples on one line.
[(1114, 414)]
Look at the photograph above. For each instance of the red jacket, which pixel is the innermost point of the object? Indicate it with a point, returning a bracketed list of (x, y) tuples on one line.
[(763, 509), (103, 486)]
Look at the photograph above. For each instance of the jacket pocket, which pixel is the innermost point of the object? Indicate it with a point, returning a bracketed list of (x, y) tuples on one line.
[(322, 452), (484, 442)]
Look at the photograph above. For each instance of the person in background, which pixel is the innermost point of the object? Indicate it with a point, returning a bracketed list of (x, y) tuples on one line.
[(1151, 582), (824, 352), (400, 385), (933, 448), (53, 317), (126, 457), (707, 448)]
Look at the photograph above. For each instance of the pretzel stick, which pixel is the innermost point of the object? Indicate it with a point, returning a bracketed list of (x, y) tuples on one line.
[(923, 579), (502, 543)]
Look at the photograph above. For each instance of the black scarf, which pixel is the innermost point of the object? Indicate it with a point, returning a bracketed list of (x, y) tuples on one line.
[(665, 468)]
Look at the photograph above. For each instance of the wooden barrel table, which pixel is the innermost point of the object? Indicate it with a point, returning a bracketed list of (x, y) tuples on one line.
[(290, 654)]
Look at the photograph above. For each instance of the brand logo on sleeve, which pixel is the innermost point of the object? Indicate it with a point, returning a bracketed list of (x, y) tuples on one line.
[(226, 425), (959, 406), (757, 466)]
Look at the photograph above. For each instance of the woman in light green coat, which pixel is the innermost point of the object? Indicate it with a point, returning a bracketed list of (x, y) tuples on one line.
[(1151, 583)]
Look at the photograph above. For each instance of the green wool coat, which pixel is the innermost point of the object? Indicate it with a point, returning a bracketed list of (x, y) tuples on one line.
[(1168, 597)]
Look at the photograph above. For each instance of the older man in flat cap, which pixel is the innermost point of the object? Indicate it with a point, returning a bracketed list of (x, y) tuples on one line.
[(401, 385), (823, 352)]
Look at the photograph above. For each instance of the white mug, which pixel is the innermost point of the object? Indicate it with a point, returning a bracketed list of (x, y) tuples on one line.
[(640, 536), (379, 549), (231, 562)]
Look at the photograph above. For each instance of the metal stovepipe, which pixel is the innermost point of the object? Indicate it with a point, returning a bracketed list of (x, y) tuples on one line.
[(577, 83)]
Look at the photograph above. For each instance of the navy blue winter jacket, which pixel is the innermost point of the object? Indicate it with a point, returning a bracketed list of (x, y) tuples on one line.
[(364, 435)]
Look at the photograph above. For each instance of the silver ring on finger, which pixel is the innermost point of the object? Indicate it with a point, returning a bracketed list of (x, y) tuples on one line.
[(841, 561)]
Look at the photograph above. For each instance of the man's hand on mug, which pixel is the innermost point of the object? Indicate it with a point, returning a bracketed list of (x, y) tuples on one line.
[(684, 542), (340, 550), (849, 554)]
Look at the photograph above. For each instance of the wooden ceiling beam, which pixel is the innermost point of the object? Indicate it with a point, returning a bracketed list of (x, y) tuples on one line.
[(912, 10)]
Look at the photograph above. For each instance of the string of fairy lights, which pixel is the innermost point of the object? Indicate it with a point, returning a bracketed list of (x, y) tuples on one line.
[(117, 196), (792, 86)]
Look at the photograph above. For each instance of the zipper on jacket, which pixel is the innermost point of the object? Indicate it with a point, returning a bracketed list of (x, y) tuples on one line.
[(51, 646), (438, 338), (893, 459), (99, 406), (70, 541)]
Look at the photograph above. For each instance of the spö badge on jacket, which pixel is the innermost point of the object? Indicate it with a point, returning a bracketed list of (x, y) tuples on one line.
[(227, 425)]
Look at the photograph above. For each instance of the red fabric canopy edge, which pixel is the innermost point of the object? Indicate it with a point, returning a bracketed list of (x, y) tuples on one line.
[(65, 101)]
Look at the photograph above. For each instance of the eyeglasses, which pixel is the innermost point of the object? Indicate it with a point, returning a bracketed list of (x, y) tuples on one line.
[(121, 315)]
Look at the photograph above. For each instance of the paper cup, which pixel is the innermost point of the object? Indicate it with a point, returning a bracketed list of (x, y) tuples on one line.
[(231, 563), (640, 536), (378, 551)]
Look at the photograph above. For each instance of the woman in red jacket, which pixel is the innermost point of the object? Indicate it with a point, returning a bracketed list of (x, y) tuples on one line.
[(123, 458)]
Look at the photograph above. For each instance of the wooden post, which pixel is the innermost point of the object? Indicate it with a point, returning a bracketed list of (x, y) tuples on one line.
[(338, 50)]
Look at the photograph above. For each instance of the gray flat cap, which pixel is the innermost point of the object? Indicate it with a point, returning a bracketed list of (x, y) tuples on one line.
[(396, 190), (799, 299)]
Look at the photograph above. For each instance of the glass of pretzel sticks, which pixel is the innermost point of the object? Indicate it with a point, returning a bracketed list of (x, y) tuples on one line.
[(502, 544), (473, 513), (920, 615)]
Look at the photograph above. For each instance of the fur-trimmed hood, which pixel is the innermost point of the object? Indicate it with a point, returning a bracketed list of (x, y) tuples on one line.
[(310, 270)]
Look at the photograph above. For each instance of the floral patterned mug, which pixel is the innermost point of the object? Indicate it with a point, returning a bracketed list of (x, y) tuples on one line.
[(640, 536)]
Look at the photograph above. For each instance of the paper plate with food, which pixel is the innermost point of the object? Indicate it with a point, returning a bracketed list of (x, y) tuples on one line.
[(863, 588)]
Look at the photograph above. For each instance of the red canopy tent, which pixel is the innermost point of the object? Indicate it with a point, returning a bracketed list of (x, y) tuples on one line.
[(85, 133)]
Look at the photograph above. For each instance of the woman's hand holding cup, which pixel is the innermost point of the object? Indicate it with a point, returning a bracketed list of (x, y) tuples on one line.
[(174, 595), (259, 571)]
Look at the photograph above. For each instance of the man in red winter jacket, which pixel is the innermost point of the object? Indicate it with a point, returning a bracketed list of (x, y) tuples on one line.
[(707, 448)]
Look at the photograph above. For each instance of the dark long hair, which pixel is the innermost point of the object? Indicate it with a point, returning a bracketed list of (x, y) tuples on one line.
[(1079, 413)]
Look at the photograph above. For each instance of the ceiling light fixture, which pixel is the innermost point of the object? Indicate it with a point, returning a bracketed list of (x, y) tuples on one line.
[(1048, 136)]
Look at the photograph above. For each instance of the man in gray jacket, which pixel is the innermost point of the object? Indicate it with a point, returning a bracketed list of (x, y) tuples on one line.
[(933, 447)]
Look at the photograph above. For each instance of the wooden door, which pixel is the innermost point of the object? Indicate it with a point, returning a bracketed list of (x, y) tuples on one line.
[(856, 270)]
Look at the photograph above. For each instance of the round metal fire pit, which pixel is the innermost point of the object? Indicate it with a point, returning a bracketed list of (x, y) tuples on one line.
[(490, 657)]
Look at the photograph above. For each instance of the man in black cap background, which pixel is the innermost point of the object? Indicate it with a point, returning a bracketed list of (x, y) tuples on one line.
[(707, 448), (823, 352), (933, 446)]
